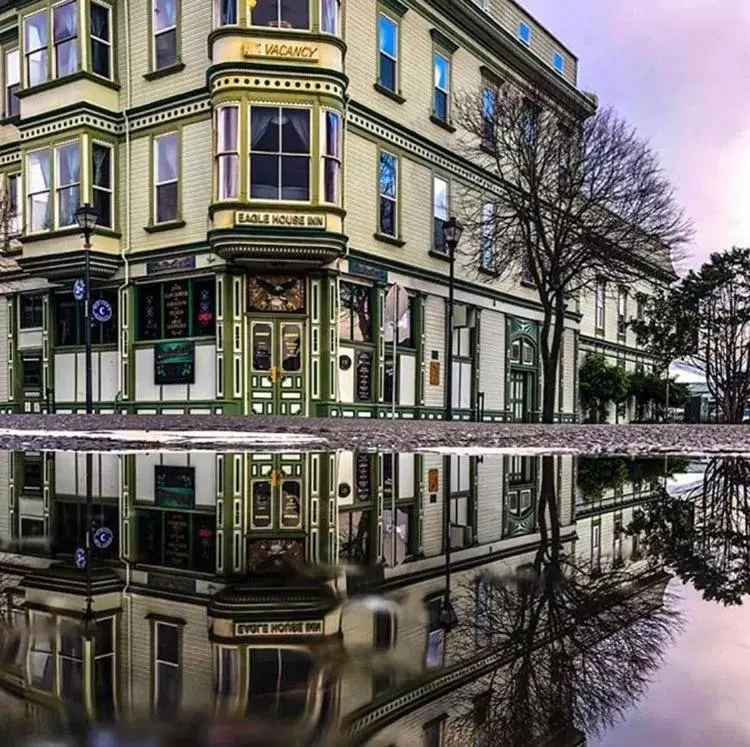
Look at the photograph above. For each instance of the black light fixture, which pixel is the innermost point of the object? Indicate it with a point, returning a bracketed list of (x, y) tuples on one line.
[(448, 618), (452, 231), (87, 217)]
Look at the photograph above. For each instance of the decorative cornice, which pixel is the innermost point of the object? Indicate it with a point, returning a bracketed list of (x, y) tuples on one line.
[(443, 41), (70, 265), (396, 6)]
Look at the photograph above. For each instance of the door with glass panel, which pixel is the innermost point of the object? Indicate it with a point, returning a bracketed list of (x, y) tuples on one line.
[(521, 395), (277, 371)]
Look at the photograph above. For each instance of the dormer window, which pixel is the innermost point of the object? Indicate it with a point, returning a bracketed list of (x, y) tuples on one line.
[(558, 61), (524, 33)]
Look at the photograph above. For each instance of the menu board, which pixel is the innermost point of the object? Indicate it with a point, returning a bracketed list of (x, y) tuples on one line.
[(204, 543), (174, 486), (262, 342), (177, 539), (174, 363), (363, 477), (176, 309), (262, 504), (363, 376), (291, 511)]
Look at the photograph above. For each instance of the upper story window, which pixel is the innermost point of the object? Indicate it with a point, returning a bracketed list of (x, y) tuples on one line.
[(599, 301), (67, 182), (36, 42), (622, 310), (388, 188), (101, 39), (226, 13), (332, 159), (165, 33), (441, 95), (101, 183), (388, 42), (31, 314), (14, 204), (558, 61), (38, 190), (227, 152), (281, 14), (440, 209), (524, 33), (488, 235), (280, 153), (330, 14), (166, 177), (12, 83), (65, 37), (489, 104)]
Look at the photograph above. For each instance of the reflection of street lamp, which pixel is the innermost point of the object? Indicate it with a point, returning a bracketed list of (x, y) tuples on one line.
[(87, 217), (452, 231), (448, 618)]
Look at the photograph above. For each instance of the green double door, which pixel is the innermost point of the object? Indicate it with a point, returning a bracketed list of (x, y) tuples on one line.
[(521, 395), (277, 367)]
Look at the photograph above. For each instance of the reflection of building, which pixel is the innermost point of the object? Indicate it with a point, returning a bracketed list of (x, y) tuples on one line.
[(262, 174), (241, 583)]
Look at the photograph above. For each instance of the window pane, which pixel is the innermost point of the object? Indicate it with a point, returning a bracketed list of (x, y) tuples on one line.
[(388, 36), (332, 181), (295, 178), (264, 676), (387, 73), (167, 643), (229, 177), (330, 18), (264, 175), (441, 105), (40, 667), (104, 687), (266, 13), (227, 12), (64, 21), (65, 29), (102, 166), (293, 684), (167, 690), (204, 317), (295, 14), (165, 14), (264, 129), (166, 202), (166, 160), (100, 22), (441, 198), (442, 72), (165, 49), (100, 58), (104, 637), (333, 134), (227, 130), (229, 665), (66, 322), (295, 130), (387, 216), (388, 175), (149, 312), (12, 68)]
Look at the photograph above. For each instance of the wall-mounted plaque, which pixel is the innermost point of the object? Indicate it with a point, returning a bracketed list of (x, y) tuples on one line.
[(264, 552), (174, 486), (177, 539), (261, 504), (434, 373), (363, 477), (176, 309), (291, 504), (174, 363), (170, 265), (363, 376)]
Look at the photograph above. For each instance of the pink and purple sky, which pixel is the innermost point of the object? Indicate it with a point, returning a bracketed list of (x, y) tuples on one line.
[(679, 71)]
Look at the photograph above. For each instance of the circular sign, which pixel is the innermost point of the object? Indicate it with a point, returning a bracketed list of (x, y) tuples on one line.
[(80, 558), (103, 538), (101, 310), (345, 362), (79, 290), (344, 490)]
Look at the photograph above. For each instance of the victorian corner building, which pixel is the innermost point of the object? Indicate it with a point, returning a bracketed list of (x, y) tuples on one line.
[(263, 172)]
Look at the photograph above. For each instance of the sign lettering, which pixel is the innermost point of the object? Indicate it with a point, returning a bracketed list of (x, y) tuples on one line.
[(281, 51), (283, 220), (291, 628)]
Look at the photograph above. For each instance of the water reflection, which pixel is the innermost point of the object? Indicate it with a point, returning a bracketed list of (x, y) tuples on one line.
[(304, 598)]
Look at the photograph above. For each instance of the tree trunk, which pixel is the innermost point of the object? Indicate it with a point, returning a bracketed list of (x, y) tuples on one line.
[(552, 326)]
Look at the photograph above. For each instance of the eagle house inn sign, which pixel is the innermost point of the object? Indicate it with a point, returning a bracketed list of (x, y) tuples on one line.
[(292, 627), (292, 220)]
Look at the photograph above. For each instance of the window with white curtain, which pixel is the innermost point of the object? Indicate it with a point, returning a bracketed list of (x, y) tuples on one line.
[(15, 203), (281, 14), (101, 178), (227, 152), (35, 47), (330, 14), (101, 39), (65, 37), (332, 158), (226, 13), (165, 33), (12, 83), (166, 177), (280, 153), (38, 190), (67, 182)]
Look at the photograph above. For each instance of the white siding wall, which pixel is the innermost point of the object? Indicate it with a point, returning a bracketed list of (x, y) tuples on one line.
[(434, 321)]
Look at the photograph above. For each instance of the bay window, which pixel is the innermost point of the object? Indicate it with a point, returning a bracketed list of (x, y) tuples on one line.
[(226, 13), (388, 188), (12, 83), (279, 682), (332, 158), (165, 33), (38, 189), (227, 152), (166, 177), (67, 182), (35, 41), (101, 180), (14, 204), (65, 38), (101, 39), (41, 661), (279, 153), (281, 14), (330, 13)]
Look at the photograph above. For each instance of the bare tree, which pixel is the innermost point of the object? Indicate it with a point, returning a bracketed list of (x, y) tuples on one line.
[(578, 643), (10, 226), (570, 203)]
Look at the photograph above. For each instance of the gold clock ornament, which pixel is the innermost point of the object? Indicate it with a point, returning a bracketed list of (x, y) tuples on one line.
[(277, 294)]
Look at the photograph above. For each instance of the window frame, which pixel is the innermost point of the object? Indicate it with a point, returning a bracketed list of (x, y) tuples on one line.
[(179, 625), (53, 45), (395, 199), (49, 150), (278, 3), (155, 183), (524, 33), (40, 309), (600, 318), (8, 96), (58, 188), (439, 52), (112, 173), (220, 155), (108, 43), (25, 76), (110, 294), (557, 56), (396, 21), (15, 221), (336, 159), (436, 247), (280, 154), (154, 33)]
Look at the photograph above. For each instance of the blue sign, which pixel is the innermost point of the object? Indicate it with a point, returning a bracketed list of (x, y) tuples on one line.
[(79, 290), (103, 538), (101, 310), (80, 558)]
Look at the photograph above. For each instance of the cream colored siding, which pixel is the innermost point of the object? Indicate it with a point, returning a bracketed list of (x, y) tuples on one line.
[(4, 329), (5, 457), (490, 499), (492, 360), (432, 513), (434, 308)]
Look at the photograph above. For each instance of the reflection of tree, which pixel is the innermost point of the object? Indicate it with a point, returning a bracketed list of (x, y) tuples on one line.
[(705, 536), (355, 548), (575, 648)]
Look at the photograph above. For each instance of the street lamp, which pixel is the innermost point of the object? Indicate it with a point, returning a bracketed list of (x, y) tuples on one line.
[(452, 231), (87, 217)]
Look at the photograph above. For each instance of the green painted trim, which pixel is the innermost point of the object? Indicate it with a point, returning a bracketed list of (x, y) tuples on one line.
[(163, 72), (440, 40), (55, 82), (271, 69), (396, 6)]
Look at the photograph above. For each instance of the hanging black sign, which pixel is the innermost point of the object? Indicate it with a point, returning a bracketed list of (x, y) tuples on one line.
[(176, 309), (174, 363), (262, 504), (177, 539), (363, 477), (363, 376), (174, 486), (291, 512)]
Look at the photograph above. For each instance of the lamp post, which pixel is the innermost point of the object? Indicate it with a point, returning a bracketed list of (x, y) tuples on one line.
[(452, 231), (87, 217)]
